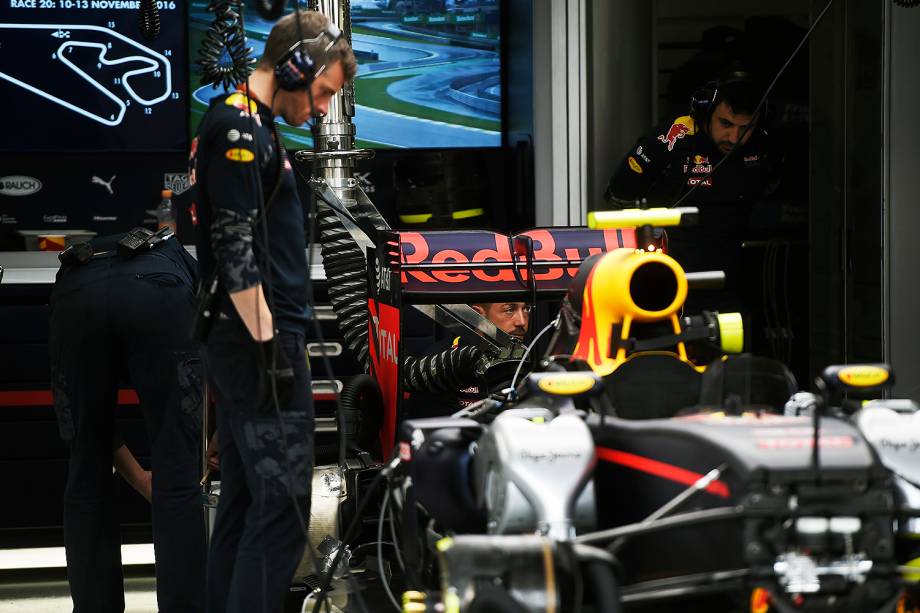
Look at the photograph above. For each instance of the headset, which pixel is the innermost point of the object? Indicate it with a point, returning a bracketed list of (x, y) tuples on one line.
[(705, 99), (296, 68)]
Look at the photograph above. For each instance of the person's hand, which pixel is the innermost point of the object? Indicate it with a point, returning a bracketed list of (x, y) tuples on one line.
[(212, 453), (144, 485), (278, 369)]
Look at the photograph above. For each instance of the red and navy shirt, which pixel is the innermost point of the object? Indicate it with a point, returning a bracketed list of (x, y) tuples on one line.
[(677, 155), (231, 158)]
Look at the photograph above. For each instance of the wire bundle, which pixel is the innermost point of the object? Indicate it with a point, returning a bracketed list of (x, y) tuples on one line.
[(150, 19), (223, 58)]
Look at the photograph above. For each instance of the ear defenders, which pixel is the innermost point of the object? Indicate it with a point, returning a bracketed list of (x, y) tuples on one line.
[(705, 99), (296, 69)]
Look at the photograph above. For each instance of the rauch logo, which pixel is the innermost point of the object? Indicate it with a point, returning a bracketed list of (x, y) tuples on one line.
[(19, 185)]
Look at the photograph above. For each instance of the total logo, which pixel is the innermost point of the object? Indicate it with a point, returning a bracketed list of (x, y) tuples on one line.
[(19, 185)]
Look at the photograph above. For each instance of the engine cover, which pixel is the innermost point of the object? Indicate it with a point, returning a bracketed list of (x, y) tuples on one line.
[(530, 470)]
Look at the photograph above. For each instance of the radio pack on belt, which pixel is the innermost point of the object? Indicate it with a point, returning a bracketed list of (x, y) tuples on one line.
[(138, 240), (80, 253)]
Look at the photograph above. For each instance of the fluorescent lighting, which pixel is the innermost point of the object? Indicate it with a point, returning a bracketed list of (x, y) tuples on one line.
[(54, 557)]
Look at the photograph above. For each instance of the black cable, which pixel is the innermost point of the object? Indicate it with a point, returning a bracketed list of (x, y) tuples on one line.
[(349, 531), (759, 106), (149, 19), (790, 338), (223, 57)]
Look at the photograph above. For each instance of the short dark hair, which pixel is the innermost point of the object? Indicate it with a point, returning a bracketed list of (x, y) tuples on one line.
[(285, 34), (740, 93)]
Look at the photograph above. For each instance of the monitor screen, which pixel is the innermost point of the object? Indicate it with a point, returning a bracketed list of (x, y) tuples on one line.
[(79, 76), (429, 72)]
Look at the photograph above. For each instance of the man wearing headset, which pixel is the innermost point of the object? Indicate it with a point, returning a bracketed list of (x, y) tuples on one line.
[(680, 154), (253, 238)]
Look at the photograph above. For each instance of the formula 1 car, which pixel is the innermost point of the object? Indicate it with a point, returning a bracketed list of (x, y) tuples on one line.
[(630, 470)]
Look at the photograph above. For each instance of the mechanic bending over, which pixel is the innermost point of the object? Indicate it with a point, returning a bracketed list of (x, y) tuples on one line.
[(114, 311)]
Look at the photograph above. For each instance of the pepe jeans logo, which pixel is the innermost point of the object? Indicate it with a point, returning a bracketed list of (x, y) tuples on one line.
[(19, 185)]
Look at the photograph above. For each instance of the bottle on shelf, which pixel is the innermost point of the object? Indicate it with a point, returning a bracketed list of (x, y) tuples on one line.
[(166, 211)]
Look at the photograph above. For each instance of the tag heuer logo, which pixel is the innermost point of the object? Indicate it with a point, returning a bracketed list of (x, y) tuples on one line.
[(178, 182), (19, 185)]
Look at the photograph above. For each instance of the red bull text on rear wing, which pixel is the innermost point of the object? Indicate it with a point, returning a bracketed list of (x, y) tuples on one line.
[(479, 265)]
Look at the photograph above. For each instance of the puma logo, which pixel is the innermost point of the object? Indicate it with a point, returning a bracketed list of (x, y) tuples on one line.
[(106, 184)]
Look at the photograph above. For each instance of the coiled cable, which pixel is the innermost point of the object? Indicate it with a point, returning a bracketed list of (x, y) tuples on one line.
[(223, 58), (150, 19)]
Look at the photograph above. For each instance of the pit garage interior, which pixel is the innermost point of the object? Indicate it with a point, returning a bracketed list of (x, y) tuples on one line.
[(496, 126)]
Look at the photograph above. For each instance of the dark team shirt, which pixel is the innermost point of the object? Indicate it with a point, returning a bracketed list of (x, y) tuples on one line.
[(232, 155), (678, 154)]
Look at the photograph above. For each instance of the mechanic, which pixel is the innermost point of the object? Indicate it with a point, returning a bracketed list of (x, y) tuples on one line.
[(255, 246), (510, 317), (679, 154), (113, 314)]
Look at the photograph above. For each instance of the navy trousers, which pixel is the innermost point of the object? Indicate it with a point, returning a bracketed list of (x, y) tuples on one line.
[(108, 317), (266, 464)]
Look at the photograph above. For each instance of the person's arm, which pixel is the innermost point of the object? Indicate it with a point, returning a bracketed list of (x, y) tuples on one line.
[(126, 465), (234, 190), (642, 165)]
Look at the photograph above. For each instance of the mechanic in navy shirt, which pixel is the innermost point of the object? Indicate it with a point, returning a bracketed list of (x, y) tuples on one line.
[(680, 154), (254, 239)]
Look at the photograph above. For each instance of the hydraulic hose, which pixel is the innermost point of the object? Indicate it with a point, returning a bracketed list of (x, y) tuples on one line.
[(449, 371), (346, 266), (343, 261), (601, 570), (362, 408)]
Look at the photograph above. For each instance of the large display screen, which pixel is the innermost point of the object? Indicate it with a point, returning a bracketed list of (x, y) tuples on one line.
[(79, 76), (429, 72)]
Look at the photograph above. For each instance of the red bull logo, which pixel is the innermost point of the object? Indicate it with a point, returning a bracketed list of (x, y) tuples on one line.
[(681, 127)]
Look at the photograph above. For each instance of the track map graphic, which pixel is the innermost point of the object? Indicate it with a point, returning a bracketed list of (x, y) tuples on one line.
[(86, 74)]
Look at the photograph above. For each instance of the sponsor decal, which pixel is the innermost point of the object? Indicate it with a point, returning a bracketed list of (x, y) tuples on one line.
[(178, 182), (700, 159), (636, 167), (54, 218), (233, 135), (19, 185), (106, 184), (863, 376), (566, 384), (824, 442), (639, 150), (642, 155), (238, 100), (680, 128), (702, 168), (239, 155), (364, 180), (256, 117), (751, 159), (246, 136), (384, 328), (105, 218), (700, 181), (557, 244), (192, 162)]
